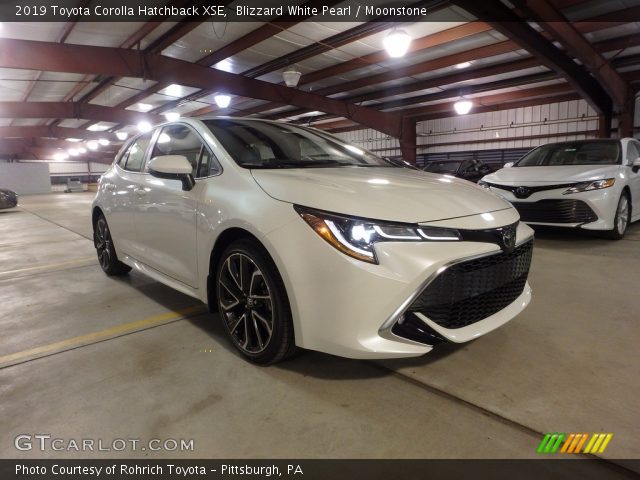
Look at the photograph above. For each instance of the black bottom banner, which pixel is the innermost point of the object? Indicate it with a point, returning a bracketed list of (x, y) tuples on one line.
[(582, 469)]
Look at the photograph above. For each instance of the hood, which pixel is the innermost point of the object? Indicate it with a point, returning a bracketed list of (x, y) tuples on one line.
[(551, 175), (394, 194)]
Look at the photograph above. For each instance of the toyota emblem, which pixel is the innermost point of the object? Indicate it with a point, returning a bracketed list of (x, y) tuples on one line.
[(508, 239), (522, 192)]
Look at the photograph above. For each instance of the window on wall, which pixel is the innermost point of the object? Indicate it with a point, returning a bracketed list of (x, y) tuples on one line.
[(182, 140)]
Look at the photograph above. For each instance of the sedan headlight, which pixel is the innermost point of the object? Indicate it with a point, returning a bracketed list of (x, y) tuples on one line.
[(356, 237), (483, 184), (591, 185)]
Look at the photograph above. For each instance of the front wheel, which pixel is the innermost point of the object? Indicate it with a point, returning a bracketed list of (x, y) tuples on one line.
[(622, 218), (253, 304), (106, 252)]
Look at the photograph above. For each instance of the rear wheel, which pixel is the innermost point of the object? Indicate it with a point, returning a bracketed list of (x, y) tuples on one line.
[(253, 303), (106, 252), (621, 220)]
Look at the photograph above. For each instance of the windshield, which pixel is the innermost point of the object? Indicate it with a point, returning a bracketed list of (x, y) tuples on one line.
[(256, 144), (572, 153)]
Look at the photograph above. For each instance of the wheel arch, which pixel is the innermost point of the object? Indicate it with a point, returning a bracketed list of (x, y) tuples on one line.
[(226, 238)]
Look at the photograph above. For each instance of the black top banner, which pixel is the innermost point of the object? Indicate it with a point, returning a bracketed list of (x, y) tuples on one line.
[(280, 10)]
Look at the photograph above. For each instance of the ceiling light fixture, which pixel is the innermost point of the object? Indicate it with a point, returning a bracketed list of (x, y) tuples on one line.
[(172, 116), (103, 141), (462, 107), (291, 76), (122, 135), (144, 127), (73, 152), (462, 65), (82, 150), (224, 65), (92, 145), (145, 107), (59, 157), (396, 43), (174, 90), (222, 101)]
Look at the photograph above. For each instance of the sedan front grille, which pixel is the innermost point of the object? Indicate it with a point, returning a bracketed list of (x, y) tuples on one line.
[(555, 211), (470, 291)]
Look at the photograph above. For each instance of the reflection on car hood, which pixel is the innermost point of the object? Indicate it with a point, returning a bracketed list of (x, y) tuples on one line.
[(396, 194), (549, 175)]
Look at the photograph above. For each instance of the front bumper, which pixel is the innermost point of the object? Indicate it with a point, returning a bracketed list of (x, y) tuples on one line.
[(349, 308), (8, 201), (592, 210)]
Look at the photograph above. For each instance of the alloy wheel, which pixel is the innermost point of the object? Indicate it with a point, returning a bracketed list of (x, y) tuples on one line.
[(246, 303), (103, 243), (622, 217)]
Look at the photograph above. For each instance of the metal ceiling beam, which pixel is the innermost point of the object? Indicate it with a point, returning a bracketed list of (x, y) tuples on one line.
[(474, 74), (31, 55), (254, 37), (535, 43), (592, 24), (44, 131), (74, 110), (563, 31), (428, 41), (546, 91)]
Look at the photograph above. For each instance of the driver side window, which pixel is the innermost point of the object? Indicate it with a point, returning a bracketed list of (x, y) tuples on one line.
[(182, 140)]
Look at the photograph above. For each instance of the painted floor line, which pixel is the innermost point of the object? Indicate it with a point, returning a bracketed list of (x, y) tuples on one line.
[(49, 267), (81, 340)]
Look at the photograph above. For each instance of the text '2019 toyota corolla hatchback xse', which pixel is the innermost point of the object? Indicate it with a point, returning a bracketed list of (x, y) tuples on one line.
[(298, 239)]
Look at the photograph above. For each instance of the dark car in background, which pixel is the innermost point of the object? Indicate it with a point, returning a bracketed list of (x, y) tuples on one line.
[(8, 198), (468, 169)]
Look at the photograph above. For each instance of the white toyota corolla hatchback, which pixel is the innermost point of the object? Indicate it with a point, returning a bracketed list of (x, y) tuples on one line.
[(590, 184), (299, 239)]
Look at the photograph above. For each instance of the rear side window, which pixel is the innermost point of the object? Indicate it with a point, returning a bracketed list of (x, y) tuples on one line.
[(182, 140), (133, 158)]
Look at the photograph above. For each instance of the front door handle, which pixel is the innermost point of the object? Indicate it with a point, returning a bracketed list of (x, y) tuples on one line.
[(110, 187), (141, 192)]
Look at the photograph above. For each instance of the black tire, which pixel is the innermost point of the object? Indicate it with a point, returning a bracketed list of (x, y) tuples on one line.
[(622, 219), (106, 252), (253, 303)]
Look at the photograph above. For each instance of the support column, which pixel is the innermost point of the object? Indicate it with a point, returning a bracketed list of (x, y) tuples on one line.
[(604, 126), (625, 119), (408, 140)]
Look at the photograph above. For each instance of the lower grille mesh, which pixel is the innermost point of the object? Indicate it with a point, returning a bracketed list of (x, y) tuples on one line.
[(471, 291), (555, 211)]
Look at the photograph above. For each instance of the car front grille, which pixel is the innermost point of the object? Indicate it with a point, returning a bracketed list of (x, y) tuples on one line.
[(555, 211), (470, 291)]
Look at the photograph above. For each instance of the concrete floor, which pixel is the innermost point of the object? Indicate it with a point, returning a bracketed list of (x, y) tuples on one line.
[(87, 356)]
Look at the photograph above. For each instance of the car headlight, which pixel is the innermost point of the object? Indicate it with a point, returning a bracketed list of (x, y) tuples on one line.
[(483, 184), (591, 185), (356, 237)]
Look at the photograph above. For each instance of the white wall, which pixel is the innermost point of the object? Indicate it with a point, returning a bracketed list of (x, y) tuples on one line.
[(563, 119), (506, 128), (25, 178)]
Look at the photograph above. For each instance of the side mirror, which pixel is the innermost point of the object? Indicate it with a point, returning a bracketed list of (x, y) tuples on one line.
[(173, 167), (508, 165), (635, 166)]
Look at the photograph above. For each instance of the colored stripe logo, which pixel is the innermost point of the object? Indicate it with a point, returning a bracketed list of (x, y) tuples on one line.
[(574, 443)]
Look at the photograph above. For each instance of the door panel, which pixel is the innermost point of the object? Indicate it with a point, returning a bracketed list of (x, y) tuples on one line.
[(165, 218), (165, 224), (120, 185)]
